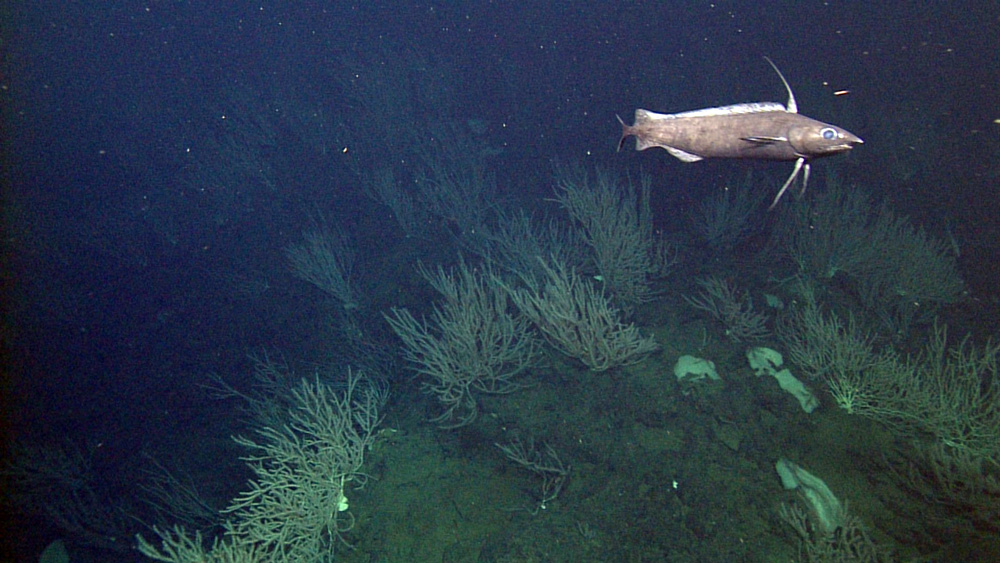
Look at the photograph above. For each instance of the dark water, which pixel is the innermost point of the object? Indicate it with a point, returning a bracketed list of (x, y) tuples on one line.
[(159, 158)]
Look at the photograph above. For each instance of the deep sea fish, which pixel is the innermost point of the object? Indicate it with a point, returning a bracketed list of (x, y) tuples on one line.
[(764, 131)]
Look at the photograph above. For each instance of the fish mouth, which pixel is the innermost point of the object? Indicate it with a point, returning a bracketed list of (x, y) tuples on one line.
[(830, 150), (847, 145)]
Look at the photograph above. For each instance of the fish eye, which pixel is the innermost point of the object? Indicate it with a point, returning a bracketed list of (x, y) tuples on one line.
[(828, 133)]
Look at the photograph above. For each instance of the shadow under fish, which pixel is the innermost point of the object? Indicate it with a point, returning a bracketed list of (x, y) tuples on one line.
[(763, 131)]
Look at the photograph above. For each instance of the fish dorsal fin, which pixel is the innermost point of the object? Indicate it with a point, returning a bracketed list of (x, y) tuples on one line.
[(735, 109), (792, 106)]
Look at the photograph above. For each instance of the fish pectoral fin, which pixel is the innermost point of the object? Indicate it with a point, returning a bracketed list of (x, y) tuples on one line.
[(762, 140), (682, 155)]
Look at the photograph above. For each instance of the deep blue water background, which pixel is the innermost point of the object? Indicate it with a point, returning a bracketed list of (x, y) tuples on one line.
[(112, 264)]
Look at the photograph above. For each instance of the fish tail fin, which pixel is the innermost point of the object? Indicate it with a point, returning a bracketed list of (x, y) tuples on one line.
[(626, 133)]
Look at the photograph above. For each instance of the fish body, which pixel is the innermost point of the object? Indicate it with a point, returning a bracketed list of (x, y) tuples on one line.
[(763, 131)]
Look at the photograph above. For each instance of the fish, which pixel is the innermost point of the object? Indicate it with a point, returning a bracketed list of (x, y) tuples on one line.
[(761, 130)]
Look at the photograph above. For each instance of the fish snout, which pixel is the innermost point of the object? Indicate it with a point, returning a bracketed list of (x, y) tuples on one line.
[(850, 139), (845, 141)]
